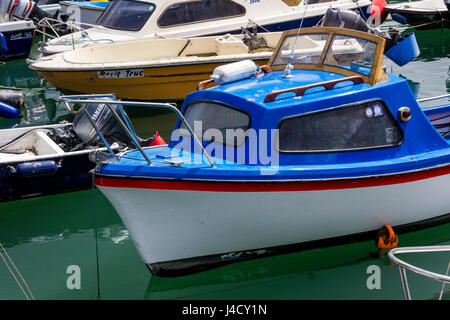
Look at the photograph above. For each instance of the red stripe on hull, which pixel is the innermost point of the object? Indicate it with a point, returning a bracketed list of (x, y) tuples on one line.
[(242, 186)]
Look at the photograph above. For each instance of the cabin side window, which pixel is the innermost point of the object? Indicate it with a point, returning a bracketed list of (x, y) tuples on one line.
[(367, 125), (217, 123), (197, 11)]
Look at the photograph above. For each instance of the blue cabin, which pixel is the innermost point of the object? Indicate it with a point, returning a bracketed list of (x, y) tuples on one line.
[(334, 113)]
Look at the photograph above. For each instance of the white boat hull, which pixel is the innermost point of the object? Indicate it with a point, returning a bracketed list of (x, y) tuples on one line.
[(172, 225)]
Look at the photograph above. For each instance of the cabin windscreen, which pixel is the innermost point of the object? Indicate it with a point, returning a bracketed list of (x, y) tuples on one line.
[(351, 53), (126, 15), (306, 50), (346, 52), (214, 122)]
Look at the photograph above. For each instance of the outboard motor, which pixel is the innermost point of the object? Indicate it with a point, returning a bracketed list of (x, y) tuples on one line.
[(105, 121), (344, 19), (22, 10)]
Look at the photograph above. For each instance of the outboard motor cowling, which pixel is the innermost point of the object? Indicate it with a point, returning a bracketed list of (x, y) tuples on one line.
[(22, 10), (109, 126), (344, 19)]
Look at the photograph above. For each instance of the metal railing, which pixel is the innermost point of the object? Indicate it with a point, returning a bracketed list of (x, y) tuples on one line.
[(403, 266), (73, 26), (434, 98), (69, 102)]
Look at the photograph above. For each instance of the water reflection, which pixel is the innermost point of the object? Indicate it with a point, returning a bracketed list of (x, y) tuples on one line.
[(57, 217), (40, 107), (434, 44), (332, 273)]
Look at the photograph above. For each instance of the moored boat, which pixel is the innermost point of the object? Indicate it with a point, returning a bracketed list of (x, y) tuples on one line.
[(145, 19), (164, 69), (16, 39), (324, 147), (16, 29), (41, 160), (424, 14), (151, 69)]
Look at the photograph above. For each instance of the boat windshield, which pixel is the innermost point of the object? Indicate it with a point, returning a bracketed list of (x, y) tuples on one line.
[(126, 15), (330, 50), (306, 50)]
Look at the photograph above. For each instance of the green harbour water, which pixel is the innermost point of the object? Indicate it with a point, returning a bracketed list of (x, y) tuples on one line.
[(45, 236)]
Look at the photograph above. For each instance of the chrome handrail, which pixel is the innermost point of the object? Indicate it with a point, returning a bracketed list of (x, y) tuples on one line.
[(84, 99), (434, 98), (403, 266), (74, 27)]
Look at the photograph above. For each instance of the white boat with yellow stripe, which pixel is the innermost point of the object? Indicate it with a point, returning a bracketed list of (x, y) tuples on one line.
[(126, 20), (151, 69)]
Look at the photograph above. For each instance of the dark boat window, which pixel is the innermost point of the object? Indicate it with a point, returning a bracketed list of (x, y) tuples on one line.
[(196, 11), (126, 15), (219, 123), (364, 126)]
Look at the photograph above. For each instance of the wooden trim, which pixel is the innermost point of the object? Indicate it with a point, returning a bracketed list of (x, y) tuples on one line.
[(300, 91), (377, 74)]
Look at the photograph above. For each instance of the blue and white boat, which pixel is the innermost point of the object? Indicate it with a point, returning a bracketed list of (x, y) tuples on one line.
[(318, 148), (126, 20), (16, 28), (16, 39), (16, 34)]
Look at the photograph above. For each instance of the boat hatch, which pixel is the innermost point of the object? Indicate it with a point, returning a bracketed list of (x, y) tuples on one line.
[(341, 51)]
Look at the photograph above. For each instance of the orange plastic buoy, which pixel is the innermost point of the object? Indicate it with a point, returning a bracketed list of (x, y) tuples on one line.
[(386, 238)]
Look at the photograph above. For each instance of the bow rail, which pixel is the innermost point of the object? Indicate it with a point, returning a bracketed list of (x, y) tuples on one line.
[(70, 101), (403, 266)]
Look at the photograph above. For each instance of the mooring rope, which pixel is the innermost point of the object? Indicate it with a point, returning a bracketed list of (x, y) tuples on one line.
[(17, 271), (403, 29), (94, 199)]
